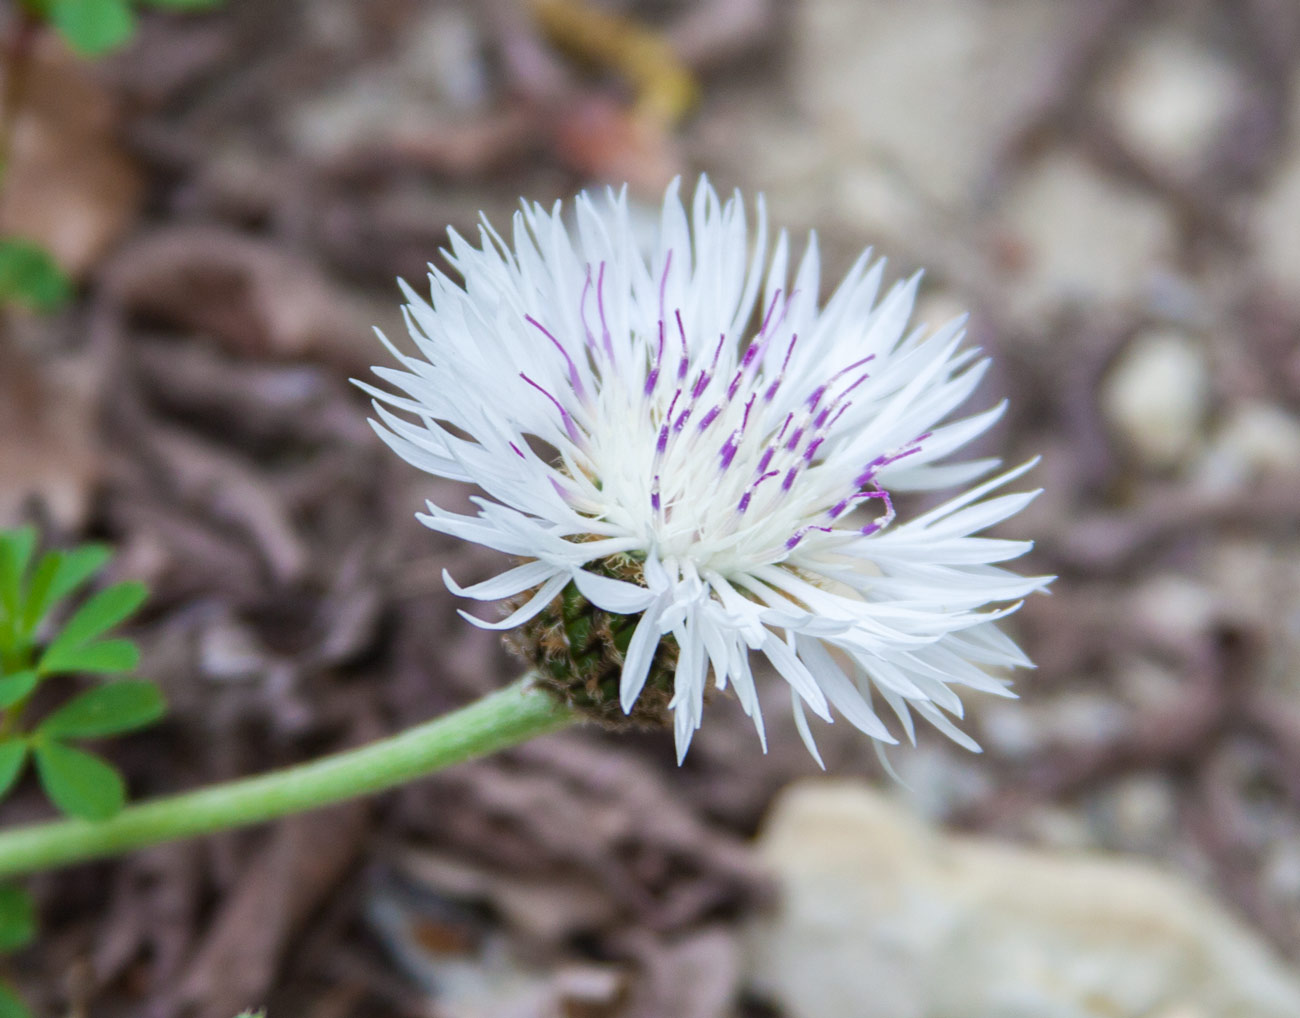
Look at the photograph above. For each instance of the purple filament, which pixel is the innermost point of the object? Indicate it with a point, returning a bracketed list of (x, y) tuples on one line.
[(569, 425), (574, 380)]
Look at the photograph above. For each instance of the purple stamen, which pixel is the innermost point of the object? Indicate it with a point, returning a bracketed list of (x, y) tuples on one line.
[(749, 492), (517, 451), (790, 475), (735, 384), (877, 464), (662, 445), (886, 518), (788, 351), (744, 421), (684, 364), (652, 379), (729, 448), (710, 417), (785, 307), (582, 309), (569, 426), (785, 424), (856, 364), (799, 534), (858, 381), (794, 440), (663, 283), (574, 380), (768, 317), (811, 451), (600, 305), (766, 459)]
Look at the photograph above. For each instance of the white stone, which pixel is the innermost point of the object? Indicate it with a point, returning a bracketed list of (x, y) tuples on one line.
[(1277, 212), (894, 83), (1175, 607), (1084, 238), (1155, 397), (1169, 99), (1256, 439), (1140, 813), (882, 917), (437, 76)]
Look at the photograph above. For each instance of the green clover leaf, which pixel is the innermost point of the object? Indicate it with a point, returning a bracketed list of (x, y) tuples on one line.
[(79, 783), (105, 710)]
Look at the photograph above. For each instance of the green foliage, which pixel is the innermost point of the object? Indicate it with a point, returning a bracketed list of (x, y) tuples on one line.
[(32, 650), (13, 755), (79, 783), (11, 1006), (17, 918), (95, 27), (105, 710), (30, 278), (92, 27), (17, 929)]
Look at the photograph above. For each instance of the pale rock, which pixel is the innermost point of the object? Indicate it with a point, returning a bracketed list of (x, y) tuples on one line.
[(1277, 211), (1010, 729), (1082, 237), (1260, 582), (1140, 813), (1169, 99), (228, 650), (1081, 717), (883, 917), (1150, 685), (436, 76), (927, 87), (1057, 828), (1255, 440), (938, 782), (1177, 608), (1155, 397)]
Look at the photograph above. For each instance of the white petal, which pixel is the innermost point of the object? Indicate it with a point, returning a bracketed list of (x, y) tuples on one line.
[(526, 611), (636, 663), (506, 584), (617, 596)]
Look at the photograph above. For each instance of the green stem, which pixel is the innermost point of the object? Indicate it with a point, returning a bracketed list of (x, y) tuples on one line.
[(509, 716)]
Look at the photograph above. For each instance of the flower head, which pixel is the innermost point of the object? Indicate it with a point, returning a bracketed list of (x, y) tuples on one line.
[(683, 441)]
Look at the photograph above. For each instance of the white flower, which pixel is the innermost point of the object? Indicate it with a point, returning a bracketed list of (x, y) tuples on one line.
[(693, 407)]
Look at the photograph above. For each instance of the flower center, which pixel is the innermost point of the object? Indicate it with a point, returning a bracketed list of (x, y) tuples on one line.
[(710, 451)]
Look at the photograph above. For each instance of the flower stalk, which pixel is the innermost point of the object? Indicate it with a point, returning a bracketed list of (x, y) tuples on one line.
[(505, 718)]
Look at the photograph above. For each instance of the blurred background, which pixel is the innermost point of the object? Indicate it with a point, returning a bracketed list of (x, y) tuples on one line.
[(1112, 188)]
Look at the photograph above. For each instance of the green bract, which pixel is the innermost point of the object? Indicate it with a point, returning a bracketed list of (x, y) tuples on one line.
[(32, 650)]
